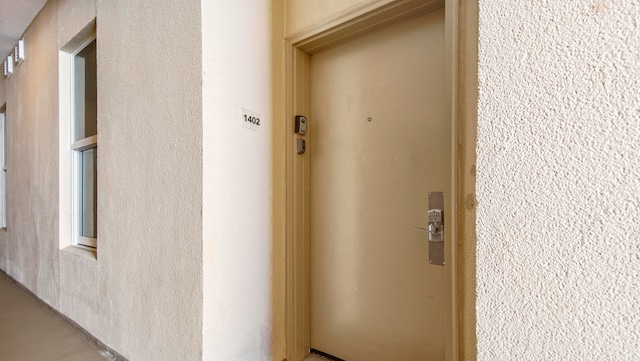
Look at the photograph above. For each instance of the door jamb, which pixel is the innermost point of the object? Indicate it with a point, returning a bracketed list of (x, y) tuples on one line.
[(297, 61)]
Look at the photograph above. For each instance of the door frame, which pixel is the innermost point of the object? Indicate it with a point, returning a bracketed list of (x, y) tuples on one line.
[(298, 51)]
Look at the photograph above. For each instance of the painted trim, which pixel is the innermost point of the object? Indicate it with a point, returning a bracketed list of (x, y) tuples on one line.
[(69, 206), (297, 219), (451, 107), (363, 22), (87, 242), (85, 143), (65, 153), (298, 50)]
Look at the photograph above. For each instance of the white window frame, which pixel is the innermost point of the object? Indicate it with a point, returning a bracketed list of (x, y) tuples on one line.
[(77, 148), (3, 149)]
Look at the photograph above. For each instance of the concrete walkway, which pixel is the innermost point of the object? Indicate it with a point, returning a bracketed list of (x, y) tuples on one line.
[(30, 331)]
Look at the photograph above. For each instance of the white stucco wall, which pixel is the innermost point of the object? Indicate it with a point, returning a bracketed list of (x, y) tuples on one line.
[(236, 67), (558, 181)]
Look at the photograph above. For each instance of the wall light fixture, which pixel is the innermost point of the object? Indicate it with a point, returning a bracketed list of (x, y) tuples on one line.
[(18, 52), (8, 66)]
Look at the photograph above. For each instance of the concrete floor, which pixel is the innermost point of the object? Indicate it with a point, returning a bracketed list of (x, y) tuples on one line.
[(29, 331)]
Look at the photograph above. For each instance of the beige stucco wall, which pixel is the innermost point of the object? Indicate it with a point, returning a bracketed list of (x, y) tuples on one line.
[(150, 179), (32, 175), (142, 296), (558, 180)]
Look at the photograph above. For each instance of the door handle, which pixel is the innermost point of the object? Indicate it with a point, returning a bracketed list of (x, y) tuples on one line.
[(435, 228)]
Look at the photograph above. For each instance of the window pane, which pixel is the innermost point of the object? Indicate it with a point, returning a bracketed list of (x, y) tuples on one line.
[(3, 148), (85, 92), (3, 138), (3, 220), (89, 195)]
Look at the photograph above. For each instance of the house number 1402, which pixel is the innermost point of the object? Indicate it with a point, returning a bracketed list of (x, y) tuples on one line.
[(250, 120)]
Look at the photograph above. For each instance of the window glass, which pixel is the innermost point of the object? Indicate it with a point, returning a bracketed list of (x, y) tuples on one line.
[(85, 92), (3, 159), (89, 197)]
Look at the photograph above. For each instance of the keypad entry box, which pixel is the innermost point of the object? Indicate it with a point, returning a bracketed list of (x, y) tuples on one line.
[(436, 228), (301, 124), (301, 146)]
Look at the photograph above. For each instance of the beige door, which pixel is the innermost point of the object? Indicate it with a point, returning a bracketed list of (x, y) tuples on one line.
[(377, 144)]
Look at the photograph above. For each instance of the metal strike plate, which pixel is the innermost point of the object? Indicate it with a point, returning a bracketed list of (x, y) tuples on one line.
[(436, 228)]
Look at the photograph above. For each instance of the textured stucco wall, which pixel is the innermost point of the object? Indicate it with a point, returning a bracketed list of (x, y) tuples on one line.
[(32, 175), (142, 296), (150, 178), (236, 67), (558, 180), (73, 15)]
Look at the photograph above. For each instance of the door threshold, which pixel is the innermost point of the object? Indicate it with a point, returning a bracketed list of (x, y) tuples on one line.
[(316, 355)]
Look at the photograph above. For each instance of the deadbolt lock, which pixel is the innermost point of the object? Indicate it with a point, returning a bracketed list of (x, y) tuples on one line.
[(436, 225)]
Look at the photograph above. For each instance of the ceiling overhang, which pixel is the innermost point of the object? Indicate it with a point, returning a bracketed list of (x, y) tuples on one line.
[(15, 17)]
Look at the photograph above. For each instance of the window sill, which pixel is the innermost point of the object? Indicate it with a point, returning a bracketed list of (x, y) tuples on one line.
[(81, 252)]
